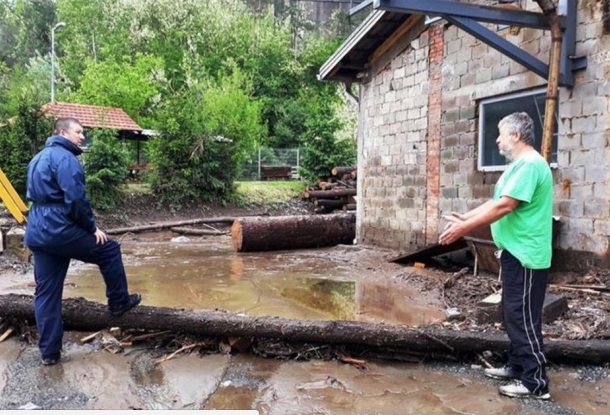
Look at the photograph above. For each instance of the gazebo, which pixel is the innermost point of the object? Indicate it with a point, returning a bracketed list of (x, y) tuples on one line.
[(94, 116)]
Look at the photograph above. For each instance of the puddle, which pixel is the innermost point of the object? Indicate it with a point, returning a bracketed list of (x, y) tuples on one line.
[(312, 285), (288, 284)]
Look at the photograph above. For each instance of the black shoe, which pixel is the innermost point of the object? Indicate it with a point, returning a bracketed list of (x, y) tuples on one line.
[(118, 311), (51, 359)]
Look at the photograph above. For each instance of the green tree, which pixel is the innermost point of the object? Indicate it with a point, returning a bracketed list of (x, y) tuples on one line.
[(205, 133), (130, 86), (36, 18), (24, 83), (107, 166), (98, 30), (20, 139), (323, 150)]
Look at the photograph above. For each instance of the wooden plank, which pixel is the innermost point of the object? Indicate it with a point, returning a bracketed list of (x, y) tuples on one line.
[(389, 42), (430, 251)]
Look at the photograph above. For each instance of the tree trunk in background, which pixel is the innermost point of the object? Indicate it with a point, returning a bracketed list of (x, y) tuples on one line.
[(292, 232)]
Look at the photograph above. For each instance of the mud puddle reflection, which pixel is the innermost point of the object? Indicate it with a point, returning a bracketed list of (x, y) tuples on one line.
[(287, 284)]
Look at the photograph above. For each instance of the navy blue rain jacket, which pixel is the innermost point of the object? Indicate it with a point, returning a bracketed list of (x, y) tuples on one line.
[(60, 212)]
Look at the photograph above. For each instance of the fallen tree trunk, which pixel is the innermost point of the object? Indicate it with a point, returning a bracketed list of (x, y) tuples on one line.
[(81, 314), (165, 225), (292, 232), (191, 231)]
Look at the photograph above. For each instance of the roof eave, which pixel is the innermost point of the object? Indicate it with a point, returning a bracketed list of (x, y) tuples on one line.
[(330, 67)]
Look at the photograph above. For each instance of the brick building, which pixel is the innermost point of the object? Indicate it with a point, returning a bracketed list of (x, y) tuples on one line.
[(431, 94)]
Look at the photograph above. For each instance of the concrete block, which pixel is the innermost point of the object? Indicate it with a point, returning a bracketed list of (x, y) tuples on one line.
[(489, 310), (14, 244)]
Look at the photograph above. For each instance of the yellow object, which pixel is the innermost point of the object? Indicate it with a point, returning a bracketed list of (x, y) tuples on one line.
[(11, 199)]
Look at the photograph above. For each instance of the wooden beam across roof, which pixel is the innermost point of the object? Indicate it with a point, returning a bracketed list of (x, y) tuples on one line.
[(390, 41), (467, 16)]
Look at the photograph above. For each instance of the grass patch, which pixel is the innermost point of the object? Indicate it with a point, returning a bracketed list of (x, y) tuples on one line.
[(246, 194), (137, 188), (266, 193)]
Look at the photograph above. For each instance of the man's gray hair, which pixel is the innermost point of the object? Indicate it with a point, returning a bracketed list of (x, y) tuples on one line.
[(519, 122), (65, 123)]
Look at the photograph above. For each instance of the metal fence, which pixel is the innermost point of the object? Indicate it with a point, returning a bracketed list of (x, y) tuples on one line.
[(265, 163)]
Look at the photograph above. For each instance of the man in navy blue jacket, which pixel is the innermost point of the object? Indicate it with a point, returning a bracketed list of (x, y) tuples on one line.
[(61, 227)]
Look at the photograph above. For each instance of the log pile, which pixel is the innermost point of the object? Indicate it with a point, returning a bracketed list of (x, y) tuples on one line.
[(335, 193)]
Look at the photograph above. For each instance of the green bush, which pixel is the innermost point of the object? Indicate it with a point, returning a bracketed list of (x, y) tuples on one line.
[(323, 150), (205, 134), (20, 139), (106, 166)]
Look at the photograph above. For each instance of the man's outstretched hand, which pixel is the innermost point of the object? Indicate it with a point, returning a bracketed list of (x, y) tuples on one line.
[(454, 229)]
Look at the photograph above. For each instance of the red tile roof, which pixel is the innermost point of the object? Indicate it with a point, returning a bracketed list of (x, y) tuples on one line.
[(93, 115)]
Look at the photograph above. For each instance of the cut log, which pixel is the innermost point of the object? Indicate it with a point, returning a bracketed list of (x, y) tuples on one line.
[(165, 225), (340, 171), (349, 183), (84, 315), (328, 194), (328, 186), (272, 233)]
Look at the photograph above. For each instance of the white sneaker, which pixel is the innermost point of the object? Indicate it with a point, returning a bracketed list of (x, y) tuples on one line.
[(518, 390), (502, 373)]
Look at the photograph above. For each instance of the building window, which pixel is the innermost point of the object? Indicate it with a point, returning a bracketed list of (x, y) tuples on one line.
[(492, 110)]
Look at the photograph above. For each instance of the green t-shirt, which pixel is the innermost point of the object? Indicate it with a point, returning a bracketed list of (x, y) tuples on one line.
[(526, 232)]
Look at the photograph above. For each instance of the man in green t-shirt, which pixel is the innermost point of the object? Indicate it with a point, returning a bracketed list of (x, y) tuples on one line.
[(520, 215)]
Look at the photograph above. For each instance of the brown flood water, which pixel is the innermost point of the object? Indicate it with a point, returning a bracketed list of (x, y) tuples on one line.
[(313, 284), (288, 284)]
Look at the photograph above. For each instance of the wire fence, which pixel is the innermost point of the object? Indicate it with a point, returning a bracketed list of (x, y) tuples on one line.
[(273, 164)]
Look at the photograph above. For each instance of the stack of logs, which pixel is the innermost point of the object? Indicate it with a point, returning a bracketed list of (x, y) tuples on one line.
[(336, 193)]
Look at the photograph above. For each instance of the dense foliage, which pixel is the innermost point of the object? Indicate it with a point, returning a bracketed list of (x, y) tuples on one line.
[(206, 69), (205, 133), (20, 139), (106, 166)]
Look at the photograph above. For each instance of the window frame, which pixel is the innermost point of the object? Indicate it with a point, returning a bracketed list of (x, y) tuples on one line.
[(481, 130)]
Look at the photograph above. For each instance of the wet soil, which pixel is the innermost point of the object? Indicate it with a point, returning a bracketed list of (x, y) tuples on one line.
[(218, 377)]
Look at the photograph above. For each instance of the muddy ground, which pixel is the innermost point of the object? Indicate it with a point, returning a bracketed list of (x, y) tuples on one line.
[(322, 385)]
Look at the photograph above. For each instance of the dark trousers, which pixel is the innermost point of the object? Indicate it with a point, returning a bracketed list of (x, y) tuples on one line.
[(523, 293), (50, 268)]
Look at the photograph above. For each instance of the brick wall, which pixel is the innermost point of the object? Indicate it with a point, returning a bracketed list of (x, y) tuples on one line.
[(392, 148), (435, 61), (583, 176), (405, 138)]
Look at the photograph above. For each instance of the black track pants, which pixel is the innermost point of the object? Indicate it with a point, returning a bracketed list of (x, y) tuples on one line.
[(523, 293)]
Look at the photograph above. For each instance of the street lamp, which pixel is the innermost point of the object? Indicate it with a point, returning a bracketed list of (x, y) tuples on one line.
[(57, 26)]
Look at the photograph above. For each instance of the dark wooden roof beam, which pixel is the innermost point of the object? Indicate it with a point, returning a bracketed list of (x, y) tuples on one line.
[(477, 12), (467, 16)]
